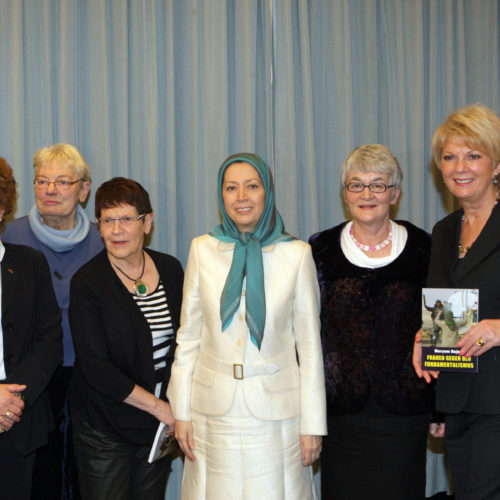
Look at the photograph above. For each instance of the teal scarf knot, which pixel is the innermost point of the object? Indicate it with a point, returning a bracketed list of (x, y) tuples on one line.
[(247, 255)]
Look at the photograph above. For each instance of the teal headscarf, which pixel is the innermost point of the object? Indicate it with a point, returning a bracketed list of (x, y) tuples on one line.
[(247, 256)]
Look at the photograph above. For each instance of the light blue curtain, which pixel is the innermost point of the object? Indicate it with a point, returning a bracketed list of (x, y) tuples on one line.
[(362, 71), (163, 90), (159, 91)]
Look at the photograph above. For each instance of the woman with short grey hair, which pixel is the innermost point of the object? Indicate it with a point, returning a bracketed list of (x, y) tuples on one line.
[(371, 270)]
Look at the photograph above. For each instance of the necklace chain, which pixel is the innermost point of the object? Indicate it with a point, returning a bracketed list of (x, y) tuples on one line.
[(140, 288), (465, 248)]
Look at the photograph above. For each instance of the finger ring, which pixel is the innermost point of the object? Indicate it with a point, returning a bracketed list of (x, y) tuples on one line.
[(480, 342), (2, 430), (8, 414)]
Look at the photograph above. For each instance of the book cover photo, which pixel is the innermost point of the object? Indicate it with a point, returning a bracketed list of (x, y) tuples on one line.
[(447, 314), (163, 444)]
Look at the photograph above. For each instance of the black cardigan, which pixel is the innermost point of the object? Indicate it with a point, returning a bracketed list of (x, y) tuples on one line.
[(369, 318), (113, 346), (480, 268)]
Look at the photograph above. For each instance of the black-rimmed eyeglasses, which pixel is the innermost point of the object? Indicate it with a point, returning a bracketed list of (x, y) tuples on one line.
[(374, 187)]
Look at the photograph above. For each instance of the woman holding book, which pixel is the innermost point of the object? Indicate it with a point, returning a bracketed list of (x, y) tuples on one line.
[(371, 271), (124, 313), (466, 254)]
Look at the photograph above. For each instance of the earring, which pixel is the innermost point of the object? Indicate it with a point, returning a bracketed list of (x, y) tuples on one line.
[(495, 179)]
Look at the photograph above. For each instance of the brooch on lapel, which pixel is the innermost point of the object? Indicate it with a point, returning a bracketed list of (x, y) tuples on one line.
[(10, 271)]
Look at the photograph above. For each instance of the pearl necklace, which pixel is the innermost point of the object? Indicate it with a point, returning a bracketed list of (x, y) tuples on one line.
[(371, 248)]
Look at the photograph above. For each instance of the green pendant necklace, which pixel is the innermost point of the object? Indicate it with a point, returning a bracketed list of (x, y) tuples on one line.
[(140, 288)]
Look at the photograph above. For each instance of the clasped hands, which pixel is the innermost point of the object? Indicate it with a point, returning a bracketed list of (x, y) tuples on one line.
[(11, 405)]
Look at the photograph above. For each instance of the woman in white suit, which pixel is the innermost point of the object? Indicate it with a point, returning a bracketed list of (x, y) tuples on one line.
[(247, 386)]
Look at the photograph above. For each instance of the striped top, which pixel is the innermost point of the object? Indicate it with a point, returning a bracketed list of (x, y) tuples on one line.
[(154, 306)]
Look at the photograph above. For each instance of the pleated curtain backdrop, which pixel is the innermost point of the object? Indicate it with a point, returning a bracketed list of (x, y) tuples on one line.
[(163, 90)]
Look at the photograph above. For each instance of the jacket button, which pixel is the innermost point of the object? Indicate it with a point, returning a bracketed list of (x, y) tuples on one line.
[(9, 328), (9, 358)]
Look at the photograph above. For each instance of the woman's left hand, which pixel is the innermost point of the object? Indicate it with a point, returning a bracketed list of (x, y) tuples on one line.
[(480, 338), (310, 449)]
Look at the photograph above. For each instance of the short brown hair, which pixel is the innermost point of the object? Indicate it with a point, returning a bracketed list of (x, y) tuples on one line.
[(476, 125), (121, 191), (8, 193)]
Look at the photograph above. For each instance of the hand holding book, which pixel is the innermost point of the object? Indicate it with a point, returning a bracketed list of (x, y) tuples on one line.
[(480, 338), (163, 444)]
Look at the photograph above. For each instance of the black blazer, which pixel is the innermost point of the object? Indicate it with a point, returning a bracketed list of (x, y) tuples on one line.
[(32, 340), (480, 268), (113, 346)]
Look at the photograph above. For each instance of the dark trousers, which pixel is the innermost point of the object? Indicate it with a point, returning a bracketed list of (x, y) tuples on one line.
[(473, 445), (110, 469), (55, 476), (374, 455), (15, 470)]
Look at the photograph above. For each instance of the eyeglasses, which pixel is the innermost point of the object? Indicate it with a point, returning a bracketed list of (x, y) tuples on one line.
[(374, 187), (125, 221), (41, 183)]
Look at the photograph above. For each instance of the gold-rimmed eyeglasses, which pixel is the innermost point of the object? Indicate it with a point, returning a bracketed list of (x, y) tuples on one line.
[(42, 183)]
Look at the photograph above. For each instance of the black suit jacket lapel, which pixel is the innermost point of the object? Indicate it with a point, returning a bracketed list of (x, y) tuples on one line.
[(10, 271), (486, 243), (449, 246)]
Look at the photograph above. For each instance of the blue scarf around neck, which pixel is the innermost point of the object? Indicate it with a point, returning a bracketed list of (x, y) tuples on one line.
[(59, 240)]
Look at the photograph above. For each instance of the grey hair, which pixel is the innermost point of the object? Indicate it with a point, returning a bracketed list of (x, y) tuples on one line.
[(373, 158)]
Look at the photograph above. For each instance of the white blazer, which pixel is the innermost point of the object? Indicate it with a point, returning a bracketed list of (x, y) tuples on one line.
[(209, 362)]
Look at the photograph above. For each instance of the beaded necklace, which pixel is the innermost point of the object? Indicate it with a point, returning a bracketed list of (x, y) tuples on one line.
[(371, 248)]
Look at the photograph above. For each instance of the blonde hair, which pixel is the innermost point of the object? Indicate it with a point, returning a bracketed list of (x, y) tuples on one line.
[(476, 125), (66, 154), (373, 158)]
